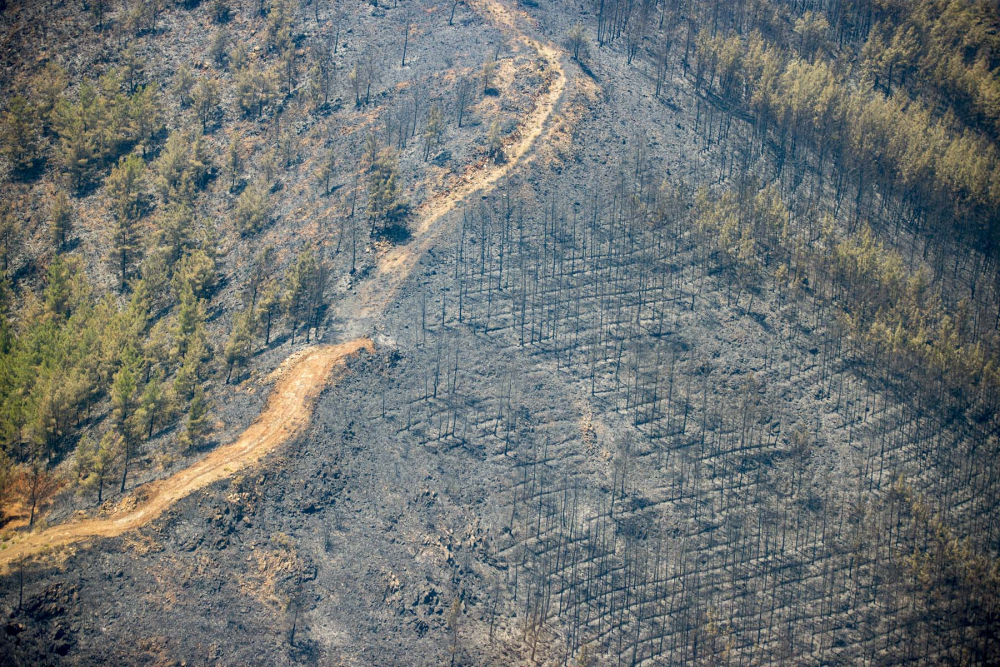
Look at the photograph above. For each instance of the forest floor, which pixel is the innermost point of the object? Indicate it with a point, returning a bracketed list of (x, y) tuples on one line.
[(541, 426), (395, 266), (305, 373), (286, 414)]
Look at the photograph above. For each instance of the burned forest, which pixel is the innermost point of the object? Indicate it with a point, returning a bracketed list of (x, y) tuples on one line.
[(500, 332)]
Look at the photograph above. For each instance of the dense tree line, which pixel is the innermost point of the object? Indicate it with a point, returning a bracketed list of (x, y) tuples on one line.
[(946, 177), (75, 361), (88, 377), (149, 361), (886, 108), (887, 314)]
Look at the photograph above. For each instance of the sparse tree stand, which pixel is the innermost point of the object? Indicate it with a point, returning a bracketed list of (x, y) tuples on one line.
[(10, 240), (434, 130), (406, 40), (299, 283), (385, 202), (494, 142), (362, 76), (489, 70), (124, 189), (462, 95), (576, 42), (220, 11), (327, 169), (197, 425), (104, 462), (270, 305), (240, 343), (253, 209), (234, 160), (19, 135), (123, 400), (39, 485), (61, 221), (205, 100)]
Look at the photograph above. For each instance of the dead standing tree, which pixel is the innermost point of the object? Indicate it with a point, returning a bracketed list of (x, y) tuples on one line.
[(463, 93)]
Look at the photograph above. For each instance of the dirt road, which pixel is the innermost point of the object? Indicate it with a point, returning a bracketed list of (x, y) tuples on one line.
[(396, 265), (287, 412), (289, 407)]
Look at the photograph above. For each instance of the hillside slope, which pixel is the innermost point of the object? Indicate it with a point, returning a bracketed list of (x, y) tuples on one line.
[(682, 321)]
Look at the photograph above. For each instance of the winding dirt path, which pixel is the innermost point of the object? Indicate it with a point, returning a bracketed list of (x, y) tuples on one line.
[(396, 265), (303, 377), (287, 413)]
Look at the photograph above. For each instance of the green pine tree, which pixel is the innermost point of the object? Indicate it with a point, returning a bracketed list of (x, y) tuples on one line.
[(197, 423)]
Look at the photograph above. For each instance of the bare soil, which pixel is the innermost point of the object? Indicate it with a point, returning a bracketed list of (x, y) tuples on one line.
[(565, 432), (289, 406), (285, 416)]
